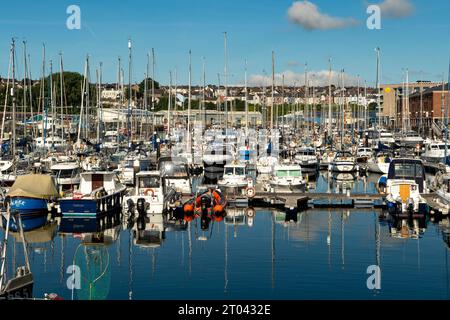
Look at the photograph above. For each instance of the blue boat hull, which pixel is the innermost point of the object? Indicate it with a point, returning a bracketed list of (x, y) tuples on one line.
[(91, 207), (33, 214)]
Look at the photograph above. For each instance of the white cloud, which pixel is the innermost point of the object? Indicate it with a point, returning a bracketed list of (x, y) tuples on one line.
[(316, 78), (307, 15), (396, 8)]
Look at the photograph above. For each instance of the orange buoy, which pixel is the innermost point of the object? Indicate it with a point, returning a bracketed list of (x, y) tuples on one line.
[(217, 208)]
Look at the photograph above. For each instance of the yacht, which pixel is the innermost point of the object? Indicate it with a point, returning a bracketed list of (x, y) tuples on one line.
[(175, 174), (265, 164), (100, 193), (67, 175), (404, 184), (435, 152), (411, 139), (234, 176), (307, 159), (216, 156), (363, 154), (379, 164), (147, 197), (343, 162), (287, 177)]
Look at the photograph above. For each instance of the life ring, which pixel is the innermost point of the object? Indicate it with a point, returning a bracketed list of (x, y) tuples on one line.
[(251, 192), (250, 212), (146, 191)]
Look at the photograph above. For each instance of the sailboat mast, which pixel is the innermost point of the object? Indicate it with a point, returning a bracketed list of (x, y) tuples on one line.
[(169, 107), (189, 102), (226, 84), (153, 90), (446, 113), (61, 88), (273, 88), (129, 93), (330, 116), (13, 96), (146, 94), (52, 106), (246, 102), (25, 88), (378, 88), (204, 93), (119, 88)]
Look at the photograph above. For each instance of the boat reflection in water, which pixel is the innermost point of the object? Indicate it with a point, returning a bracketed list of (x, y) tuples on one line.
[(406, 228), (342, 182), (92, 254)]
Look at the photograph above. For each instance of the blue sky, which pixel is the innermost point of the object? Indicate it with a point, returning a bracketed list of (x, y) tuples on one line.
[(420, 42)]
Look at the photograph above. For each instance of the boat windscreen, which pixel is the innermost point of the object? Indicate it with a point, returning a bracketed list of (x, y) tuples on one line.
[(405, 170), (149, 182)]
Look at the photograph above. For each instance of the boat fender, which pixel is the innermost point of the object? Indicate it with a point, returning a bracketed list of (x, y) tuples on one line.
[(251, 192)]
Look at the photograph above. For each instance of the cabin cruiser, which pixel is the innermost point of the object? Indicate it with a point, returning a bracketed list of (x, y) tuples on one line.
[(110, 140), (386, 138), (363, 154), (216, 156), (175, 174), (307, 159), (234, 176), (343, 162), (379, 164), (67, 175), (265, 164), (287, 177), (435, 152), (404, 184), (147, 197), (7, 176), (100, 194), (411, 139)]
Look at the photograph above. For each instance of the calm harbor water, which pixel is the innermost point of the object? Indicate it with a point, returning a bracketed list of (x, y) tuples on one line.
[(324, 254)]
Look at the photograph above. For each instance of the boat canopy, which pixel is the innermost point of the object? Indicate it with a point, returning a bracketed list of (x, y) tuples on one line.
[(36, 186)]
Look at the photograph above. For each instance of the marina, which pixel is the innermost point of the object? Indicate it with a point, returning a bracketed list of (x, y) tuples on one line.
[(149, 177)]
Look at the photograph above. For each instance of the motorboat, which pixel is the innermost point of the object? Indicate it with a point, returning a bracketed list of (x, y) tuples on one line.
[(379, 164), (344, 161), (307, 159), (147, 197), (30, 199), (404, 184), (234, 176), (287, 177), (363, 154), (265, 164), (100, 193), (435, 152), (411, 139), (175, 174), (67, 175)]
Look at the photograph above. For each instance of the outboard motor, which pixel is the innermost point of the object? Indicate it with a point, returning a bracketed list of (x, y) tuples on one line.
[(206, 204), (141, 207)]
